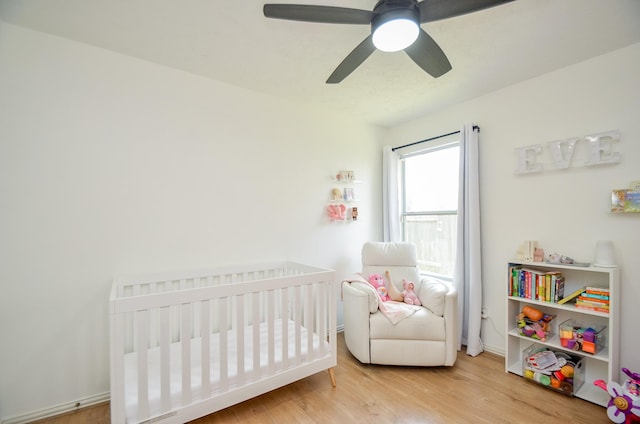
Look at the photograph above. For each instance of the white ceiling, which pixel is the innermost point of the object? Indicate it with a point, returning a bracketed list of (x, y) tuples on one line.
[(231, 41)]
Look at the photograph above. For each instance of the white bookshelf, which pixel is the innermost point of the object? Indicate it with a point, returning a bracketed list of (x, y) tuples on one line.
[(603, 365)]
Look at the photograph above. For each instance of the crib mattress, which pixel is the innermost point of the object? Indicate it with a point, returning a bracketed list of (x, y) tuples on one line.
[(297, 352)]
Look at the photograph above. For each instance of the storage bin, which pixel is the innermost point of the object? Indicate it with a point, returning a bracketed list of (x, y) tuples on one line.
[(580, 336), (554, 370), (539, 330)]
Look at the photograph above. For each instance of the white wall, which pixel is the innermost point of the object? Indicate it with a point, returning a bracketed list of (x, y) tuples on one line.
[(564, 210), (114, 165)]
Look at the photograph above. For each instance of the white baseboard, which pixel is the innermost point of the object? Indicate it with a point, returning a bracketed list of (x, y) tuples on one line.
[(495, 350), (59, 409)]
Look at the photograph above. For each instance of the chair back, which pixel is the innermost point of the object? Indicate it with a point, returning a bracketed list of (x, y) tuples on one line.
[(400, 259)]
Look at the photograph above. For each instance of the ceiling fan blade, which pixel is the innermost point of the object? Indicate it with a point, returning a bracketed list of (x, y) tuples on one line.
[(428, 55), (434, 10), (352, 61), (318, 14)]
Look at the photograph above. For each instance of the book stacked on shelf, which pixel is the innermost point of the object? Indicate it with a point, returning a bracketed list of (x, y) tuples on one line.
[(535, 284), (594, 299)]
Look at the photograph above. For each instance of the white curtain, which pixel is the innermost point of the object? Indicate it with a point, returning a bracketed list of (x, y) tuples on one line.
[(390, 195), (467, 275)]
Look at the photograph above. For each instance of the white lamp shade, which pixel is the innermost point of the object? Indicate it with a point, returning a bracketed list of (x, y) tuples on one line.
[(604, 254), (395, 35)]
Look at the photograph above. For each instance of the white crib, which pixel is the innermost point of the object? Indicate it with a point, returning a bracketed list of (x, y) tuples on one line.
[(184, 345)]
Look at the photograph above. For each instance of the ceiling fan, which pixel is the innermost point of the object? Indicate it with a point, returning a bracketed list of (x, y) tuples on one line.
[(395, 26)]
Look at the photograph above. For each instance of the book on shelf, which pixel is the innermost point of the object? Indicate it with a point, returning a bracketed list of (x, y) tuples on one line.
[(604, 291), (592, 308), (572, 296), (586, 302), (593, 300), (536, 284), (595, 295)]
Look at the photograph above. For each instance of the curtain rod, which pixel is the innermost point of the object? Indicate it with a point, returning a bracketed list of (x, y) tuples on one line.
[(475, 127)]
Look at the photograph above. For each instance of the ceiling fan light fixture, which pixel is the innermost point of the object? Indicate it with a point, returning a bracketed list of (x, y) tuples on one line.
[(395, 30)]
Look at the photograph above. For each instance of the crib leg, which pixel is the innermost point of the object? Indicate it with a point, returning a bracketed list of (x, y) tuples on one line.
[(332, 376)]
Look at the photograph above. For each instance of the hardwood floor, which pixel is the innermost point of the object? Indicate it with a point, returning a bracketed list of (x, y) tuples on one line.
[(475, 390)]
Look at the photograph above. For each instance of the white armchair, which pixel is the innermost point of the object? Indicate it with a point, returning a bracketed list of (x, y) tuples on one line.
[(426, 338)]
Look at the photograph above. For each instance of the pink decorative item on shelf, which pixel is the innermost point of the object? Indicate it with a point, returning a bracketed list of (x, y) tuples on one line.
[(336, 212), (538, 255)]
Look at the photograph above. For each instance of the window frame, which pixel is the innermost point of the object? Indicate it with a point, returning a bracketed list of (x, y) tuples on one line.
[(404, 214)]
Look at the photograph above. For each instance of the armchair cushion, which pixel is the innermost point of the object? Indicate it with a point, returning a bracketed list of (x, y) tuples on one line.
[(422, 325), (400, 259)]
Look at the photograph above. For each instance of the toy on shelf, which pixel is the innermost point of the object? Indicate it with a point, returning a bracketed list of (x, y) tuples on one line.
[(586, 338), (336, 212), (555, 370), (534, 323), (624, 405)]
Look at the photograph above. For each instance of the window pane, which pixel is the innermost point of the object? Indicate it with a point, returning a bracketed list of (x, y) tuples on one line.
[(431, 181), (435, 238)]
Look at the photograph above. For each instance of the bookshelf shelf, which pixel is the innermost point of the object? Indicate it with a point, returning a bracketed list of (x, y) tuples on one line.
[(604, 364)]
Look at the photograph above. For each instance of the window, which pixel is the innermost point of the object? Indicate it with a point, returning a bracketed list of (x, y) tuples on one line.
[(429, 206)]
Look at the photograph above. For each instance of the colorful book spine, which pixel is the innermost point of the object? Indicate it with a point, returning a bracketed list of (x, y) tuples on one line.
[(595, 296), (597, 290), (593, 300), (592, 308)]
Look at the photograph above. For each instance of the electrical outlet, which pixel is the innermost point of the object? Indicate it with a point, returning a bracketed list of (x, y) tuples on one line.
[(484, 314)]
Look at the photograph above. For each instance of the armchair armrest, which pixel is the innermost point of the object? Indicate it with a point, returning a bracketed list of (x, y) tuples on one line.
[(442, 299), (358, 305), (435, 294)]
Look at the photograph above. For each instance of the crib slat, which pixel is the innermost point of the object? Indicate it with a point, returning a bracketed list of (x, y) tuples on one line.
[(284, 317), (240, 337), (271, 333), (165, 359), (205, 335), (297, 319), (185, 342), (308, 320), (142, 340), (255, 320), (224, 344), (117, 370), (322, 317), (153, 321)]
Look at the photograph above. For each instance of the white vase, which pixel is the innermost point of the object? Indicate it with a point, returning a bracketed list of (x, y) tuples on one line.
[(604, 254)]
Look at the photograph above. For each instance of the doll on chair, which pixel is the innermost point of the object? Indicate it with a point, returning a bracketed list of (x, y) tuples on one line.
[(407, 295)]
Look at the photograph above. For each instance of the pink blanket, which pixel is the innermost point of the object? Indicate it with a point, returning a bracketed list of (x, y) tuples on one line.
[(394, 311)]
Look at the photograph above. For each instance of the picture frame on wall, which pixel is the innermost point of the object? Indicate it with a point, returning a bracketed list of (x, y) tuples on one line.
[(348, 194)]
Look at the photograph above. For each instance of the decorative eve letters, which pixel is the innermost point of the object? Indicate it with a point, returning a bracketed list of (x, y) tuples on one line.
[(599, 151)]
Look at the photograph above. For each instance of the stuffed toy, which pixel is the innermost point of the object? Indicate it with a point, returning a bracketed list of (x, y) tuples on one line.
[(409, 294), (377, 282), (337, 212)]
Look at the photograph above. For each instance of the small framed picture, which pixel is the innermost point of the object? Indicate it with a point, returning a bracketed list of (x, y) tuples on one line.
[(348, 194), (617, 200)]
